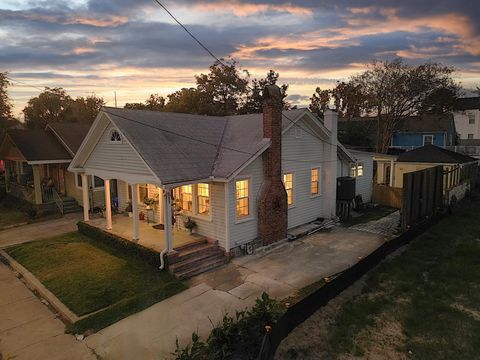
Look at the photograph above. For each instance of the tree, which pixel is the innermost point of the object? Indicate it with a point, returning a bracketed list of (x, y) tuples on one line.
[(319, 101), (51, 105), (349, 99), (254, 98), (154, 103), (84, 110), (394, 90), (6, 117), (5, 102), (222, 88), (55, 105)]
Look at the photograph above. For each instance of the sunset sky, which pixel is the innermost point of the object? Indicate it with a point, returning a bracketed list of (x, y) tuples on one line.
[(135, 48)]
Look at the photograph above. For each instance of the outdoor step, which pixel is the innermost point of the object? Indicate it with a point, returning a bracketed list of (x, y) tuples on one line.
[(190, 245), (73, 210), (195, 262), (193, 252), (206, 266)]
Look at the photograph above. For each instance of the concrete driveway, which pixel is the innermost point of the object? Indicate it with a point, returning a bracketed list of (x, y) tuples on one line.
[(40, 230), (29, 330), (151, 333)]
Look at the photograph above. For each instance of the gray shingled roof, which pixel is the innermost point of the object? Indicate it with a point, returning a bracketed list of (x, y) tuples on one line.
[(71, 134), (208, 145), (38, 145), (434, 154)]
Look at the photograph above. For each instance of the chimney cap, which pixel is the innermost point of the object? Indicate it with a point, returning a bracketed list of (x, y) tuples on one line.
[(272, 92)]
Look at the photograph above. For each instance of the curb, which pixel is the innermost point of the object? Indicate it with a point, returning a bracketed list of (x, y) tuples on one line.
[(13, 226), (34, 284)]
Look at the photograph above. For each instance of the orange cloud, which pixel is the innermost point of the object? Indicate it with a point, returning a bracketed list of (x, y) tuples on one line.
[(99, 22)]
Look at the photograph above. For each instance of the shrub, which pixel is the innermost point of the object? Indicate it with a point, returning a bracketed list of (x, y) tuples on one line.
[(150, 256), (238, 337)]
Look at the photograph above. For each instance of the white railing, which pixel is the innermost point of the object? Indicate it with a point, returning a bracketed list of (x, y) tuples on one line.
[(50, 194), (58, 200)]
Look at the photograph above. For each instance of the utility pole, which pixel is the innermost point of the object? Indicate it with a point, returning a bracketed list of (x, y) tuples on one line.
[(115, 94)]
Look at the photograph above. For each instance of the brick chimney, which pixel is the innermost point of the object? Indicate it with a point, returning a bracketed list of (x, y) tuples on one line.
[(330, 167), (272, 198)]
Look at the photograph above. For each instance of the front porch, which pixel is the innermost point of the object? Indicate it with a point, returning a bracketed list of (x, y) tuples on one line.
[(148, 236)]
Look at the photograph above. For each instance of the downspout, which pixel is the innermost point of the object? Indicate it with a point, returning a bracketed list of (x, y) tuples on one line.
[(162, 259)]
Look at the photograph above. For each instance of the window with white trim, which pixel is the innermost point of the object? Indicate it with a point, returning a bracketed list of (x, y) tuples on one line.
[(142, 192), (242, 198), (360, 168), (427, 139), (93, 182), (115, 137), (471, 118), (315, 184), (185, 196), (288, 184), (203, 199)]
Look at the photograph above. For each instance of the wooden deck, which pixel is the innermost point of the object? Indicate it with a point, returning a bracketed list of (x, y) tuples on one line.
[(122, 226)]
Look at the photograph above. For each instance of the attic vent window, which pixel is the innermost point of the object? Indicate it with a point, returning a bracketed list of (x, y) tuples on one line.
[(115, 137)]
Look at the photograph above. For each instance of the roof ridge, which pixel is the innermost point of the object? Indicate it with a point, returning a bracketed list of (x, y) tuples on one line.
[(214, 163)]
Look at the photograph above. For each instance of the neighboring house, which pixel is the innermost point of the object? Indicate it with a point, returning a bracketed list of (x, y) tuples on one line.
[(411, 132), (359, 165), (242, 179), (467, 118), (418, 159), (36, 164), (426, 129)]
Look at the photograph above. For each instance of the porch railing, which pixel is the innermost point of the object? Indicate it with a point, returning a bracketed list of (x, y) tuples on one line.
[(49, 195), (22, 191)]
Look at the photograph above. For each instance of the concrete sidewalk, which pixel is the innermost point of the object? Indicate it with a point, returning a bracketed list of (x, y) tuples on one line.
[(151, 333), (29, 330), (40, 230)]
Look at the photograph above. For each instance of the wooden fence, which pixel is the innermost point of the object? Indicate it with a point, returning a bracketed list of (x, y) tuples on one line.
[(423, 192), (387, 196)]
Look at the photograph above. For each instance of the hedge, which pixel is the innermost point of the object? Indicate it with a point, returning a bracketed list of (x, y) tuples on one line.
[(128, 247)]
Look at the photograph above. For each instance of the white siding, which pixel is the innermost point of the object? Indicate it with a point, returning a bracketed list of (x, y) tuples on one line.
[(343, 168), (307, 152), (214, 227), (118, 157), (363, 185), (244, 231)]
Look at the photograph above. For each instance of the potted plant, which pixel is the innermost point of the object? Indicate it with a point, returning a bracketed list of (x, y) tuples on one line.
[(189, 224), (129, 209)]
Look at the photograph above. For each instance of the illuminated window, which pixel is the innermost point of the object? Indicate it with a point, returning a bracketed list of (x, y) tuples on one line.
[(288, 183), (115, 137), (142, 192), (203, 199), (243, 206), (315, 183), (186, 197), (360, 168), (357, 169)]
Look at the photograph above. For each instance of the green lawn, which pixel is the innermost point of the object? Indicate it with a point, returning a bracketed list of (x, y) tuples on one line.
[(88, 276), (11, 216), (423, 303)]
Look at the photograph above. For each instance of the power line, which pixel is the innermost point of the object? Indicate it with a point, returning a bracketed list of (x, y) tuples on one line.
[(189, 33)]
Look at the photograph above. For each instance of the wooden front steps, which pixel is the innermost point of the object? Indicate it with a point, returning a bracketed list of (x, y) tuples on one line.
[(195, 258)]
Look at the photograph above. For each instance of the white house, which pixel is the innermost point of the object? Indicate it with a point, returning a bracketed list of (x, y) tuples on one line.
[(221, 172)]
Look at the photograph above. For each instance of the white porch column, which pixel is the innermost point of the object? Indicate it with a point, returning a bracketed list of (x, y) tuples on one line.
[(37, 183), (167, 211), (392, 164), (85, 199), (108, 205), (161, 213), (135, 211)]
